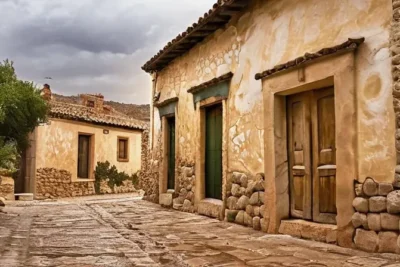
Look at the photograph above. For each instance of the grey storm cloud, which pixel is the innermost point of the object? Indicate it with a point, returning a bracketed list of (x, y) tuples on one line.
[(92, 46)]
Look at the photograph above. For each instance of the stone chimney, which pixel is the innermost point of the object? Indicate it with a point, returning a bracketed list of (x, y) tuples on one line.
[(46, 92), (93, 101)]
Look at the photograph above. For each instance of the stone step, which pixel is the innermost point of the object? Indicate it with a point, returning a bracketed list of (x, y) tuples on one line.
[(24, 196)]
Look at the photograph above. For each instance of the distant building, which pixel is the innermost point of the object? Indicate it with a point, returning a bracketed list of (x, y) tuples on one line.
[(279, 115), (65, 150)]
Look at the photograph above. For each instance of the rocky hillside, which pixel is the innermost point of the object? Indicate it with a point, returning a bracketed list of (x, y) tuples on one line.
[(140, 112)]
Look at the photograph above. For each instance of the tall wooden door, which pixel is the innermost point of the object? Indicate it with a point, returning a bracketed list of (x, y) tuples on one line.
[(171, 153), (312, 155), (213, 162)]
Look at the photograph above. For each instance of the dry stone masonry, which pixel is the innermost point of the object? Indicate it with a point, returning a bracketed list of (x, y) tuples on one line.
[(377, 217), (54, 183), (149, 170), (184, 197), (7, 187), (245, 201)]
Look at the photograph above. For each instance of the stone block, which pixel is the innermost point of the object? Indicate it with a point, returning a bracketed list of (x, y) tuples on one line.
[(210, 207), (374, 221), (244, 180), (360, 204), (366, 240), (377, 204), (359, 220), (250, 187), (256, 211), (390, 222), (186, 204), (235, 190), (248, 220), (235, 177), (2, 202), (385, 188), (257, 223), (230, 215), (307, 230), (240, 217), (262, 211), (370, 187), (387, 242), (243, 202), (393, 202), (264, 224), (165, 200), (358, 190), (231, 203), (250, 210), (25, 196)]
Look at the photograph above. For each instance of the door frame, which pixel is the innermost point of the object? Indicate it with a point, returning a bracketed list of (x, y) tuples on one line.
[(337, 71)]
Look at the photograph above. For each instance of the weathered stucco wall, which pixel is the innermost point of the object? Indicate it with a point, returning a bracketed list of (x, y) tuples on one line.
[(273, 32), (57, 146)]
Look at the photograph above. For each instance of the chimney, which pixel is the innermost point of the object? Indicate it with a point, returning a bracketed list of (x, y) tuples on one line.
[(46, 92), (93, 101)]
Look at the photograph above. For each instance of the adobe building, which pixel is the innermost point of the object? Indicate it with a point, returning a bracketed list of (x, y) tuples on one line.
[(65, 150), (279, 115)]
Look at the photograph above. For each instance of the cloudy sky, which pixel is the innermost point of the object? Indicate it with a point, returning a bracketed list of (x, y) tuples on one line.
[(92, 46)]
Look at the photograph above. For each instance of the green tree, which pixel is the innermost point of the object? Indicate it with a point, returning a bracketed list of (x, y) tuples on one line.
[(21, 110)]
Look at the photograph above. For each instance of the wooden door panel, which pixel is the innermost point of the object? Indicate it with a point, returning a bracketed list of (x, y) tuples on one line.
[(324, 156), (299, 155)]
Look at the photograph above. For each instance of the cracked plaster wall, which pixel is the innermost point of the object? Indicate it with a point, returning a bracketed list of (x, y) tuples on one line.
[(273, 32)]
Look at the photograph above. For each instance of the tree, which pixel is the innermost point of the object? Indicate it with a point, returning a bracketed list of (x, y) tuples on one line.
[(21, 110)]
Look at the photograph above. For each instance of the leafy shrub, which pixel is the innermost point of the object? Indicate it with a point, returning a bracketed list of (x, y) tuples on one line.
[(105, 171)]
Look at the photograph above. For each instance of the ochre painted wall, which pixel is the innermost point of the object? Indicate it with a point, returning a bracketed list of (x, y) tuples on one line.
[(57, 146), (273, 32)]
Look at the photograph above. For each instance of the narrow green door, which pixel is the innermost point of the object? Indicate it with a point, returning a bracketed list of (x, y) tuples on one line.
[(171, 153), (213, 163)]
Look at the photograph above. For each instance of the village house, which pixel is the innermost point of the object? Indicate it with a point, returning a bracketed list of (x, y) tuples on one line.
[(65, 150), (279, 115)]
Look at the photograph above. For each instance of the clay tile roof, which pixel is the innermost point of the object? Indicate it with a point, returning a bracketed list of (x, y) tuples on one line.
[(70, 111), (214, 19), (350, 44)]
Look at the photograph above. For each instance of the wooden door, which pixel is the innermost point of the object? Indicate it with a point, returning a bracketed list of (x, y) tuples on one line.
[(299, 126), (83, 156), (213, 155), (171, 153), (312, 155)]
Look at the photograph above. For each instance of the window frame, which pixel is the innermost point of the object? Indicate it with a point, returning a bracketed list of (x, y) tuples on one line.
[(126, 139)]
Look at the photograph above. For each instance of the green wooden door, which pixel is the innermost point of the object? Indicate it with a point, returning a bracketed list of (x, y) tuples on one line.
[(171, 153), (213, 162)]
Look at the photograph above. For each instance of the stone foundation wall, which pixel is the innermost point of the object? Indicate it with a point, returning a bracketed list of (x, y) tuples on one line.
[(149, 173), (126, 187), (54, 183), (183, 199), (7, 187), (245, 201), (377, 216)]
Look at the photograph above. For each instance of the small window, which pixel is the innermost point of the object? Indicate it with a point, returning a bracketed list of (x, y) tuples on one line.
[(83, 156), (123, 149), (90, 103)]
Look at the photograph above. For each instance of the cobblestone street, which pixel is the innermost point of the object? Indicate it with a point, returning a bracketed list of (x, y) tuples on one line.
[(126, 231)]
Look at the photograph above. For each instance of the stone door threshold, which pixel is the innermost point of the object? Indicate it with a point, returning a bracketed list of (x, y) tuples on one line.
[(211, 207), (309, 230)]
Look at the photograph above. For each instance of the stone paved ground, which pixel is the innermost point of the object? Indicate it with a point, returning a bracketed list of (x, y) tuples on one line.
[(121, 231)]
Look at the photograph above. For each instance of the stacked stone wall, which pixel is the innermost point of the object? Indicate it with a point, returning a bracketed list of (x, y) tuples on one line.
[(245, 200), (7, 187), (183, 199), (54, 183), (148, 178), (127, 186), (377, 216)]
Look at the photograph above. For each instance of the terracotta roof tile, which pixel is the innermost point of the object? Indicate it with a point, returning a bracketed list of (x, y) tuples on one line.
[(220, 79), (87, 114), (350, 44), (215, 18)]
